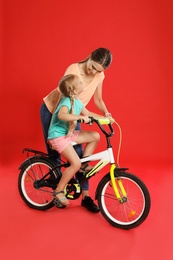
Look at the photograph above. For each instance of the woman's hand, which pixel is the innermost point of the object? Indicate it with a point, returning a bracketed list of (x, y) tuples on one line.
[(108, 115), (112, 120)]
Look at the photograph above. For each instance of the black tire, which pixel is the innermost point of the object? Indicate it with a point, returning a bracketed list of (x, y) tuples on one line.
[(33, 170), (130, 213)]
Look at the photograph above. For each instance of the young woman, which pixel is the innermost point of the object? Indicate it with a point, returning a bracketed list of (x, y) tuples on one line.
[(91, 72), (62, 131)]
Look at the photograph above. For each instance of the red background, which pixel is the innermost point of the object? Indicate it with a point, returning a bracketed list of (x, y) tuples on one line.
[(39, 39)]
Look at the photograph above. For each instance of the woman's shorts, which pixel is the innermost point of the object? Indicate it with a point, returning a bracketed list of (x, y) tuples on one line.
[(60, 143)]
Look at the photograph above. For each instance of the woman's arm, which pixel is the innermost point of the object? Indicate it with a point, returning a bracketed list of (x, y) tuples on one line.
[(100, 103), (98, 99), (87, 113)]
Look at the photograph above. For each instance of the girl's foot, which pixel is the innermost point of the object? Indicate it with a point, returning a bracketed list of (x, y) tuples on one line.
[(59, 195)]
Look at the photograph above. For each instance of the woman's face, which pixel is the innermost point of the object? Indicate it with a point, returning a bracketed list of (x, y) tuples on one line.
[(93, 67)]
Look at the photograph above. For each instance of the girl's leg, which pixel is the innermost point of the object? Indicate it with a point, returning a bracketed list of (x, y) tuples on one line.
[(91, 139), (75, 164)]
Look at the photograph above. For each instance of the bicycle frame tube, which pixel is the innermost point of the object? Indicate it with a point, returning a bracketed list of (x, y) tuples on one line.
[(104, 158), (104, 155)]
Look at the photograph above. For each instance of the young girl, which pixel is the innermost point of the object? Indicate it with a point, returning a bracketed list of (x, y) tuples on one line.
[(62, 131)]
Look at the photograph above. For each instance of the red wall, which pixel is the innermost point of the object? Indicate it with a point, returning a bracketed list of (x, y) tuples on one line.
[(41, 38)]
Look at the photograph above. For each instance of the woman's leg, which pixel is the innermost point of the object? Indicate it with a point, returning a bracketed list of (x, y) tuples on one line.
[(79, 175), (78, 147), (93, 138), (79, 150), (45, 117)]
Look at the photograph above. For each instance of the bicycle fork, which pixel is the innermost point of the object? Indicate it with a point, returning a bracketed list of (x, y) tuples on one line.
[(121, 198)]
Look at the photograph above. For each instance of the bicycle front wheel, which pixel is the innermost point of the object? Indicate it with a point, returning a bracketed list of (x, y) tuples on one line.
[(34, 192), (133, 210)]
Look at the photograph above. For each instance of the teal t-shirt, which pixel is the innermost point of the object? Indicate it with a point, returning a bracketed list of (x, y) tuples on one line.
[(59, 127)]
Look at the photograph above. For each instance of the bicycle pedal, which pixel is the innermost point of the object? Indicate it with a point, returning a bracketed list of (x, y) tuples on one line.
[(58, 204)]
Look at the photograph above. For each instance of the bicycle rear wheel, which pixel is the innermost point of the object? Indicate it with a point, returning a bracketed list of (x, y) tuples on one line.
[(33, 191), (133, 210)]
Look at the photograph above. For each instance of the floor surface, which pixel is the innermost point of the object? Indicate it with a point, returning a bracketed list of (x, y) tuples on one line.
[(75, 233)]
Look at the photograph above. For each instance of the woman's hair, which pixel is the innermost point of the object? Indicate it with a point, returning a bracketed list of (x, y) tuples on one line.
[(67, 87), (102, 56)]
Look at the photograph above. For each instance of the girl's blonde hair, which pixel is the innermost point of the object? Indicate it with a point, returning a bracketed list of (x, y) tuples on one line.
[(67, 88)]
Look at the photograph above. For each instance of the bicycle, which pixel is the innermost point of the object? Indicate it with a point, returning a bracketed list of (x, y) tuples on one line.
[(123, 198)]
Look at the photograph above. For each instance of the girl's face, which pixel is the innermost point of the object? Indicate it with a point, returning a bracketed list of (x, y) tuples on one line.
[(79, 88), (93, 67)]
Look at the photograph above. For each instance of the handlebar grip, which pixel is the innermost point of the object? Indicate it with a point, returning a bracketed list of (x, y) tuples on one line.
[(80, 121), (83, 121)]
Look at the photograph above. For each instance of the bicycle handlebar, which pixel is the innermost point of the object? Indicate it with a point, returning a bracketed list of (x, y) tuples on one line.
[(92, 119)]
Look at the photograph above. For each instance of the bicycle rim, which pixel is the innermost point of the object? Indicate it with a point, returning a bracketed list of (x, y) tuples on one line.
[(40, 198), (128, 214)]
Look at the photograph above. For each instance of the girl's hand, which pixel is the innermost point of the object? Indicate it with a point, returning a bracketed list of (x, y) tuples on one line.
[(85, 118)]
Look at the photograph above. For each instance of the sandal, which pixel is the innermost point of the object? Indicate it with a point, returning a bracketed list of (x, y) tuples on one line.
[(62, 201)]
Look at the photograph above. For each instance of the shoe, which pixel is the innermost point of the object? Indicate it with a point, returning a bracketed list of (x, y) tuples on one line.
[(85, 169), (89, 204)]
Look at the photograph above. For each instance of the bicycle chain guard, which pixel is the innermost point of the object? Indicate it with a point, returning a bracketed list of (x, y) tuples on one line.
[(73, 189)]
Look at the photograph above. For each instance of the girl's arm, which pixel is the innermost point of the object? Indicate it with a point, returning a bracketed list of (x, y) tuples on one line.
[(63, 114)]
